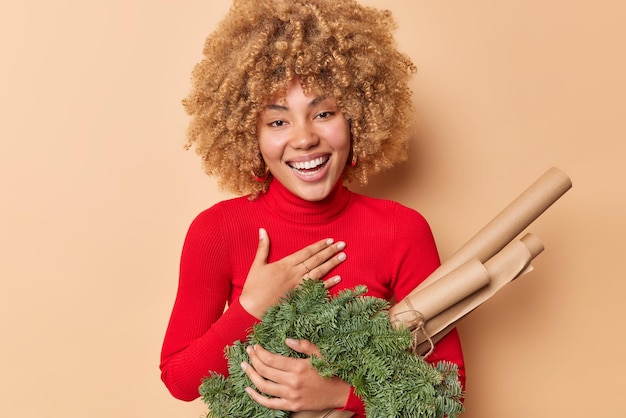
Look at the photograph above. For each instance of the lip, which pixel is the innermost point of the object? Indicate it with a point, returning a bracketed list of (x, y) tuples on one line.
[(308, 157), (310, 176)]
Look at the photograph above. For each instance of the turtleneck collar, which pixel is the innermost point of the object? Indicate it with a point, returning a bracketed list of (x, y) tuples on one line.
[(295, 209)]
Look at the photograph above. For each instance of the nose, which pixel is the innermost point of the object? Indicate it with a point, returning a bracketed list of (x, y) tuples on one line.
[(304, 137)]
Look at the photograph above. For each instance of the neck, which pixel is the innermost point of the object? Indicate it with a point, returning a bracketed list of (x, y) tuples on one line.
[(295, 209)]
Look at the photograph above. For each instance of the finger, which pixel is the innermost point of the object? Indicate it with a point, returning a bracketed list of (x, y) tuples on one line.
[(328, 283), (325, 254), (275, 391), (323, 262), (303, 346), (271, 403), (264, 371), (262, 383), (309, 251), (270, 365), (263, 248)]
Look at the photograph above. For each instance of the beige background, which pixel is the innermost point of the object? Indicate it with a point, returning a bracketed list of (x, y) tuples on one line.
[(97, 193)]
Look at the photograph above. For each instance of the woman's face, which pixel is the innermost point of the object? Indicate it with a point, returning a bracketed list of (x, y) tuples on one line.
[(305, 142)]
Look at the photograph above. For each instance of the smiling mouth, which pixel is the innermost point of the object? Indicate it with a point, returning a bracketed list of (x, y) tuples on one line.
[(309, 167)]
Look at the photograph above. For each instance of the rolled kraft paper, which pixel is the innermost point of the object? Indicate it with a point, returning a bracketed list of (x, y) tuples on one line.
[(509, 223), (511, 262), (440, 295)]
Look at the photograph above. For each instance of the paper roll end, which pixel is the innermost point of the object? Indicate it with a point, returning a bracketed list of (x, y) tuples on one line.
[(560, 177), (533, 243)]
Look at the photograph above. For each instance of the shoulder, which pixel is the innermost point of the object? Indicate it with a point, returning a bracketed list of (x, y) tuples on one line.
[(219, 213), (389, 211), (392, 221)]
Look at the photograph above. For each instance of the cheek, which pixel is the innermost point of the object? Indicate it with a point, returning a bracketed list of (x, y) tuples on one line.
[(340, 139), (270, 148)]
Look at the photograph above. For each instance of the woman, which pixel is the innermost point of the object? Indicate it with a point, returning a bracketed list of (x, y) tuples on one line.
[(292, 99)]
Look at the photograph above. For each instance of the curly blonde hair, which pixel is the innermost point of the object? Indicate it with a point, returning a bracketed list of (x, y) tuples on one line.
[(339, 48)]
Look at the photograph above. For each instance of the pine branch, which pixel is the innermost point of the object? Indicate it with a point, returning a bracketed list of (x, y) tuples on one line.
[(357, 343)]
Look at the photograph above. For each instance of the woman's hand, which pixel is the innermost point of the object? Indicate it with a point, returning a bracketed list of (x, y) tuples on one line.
[(268, 282), (294, 384)]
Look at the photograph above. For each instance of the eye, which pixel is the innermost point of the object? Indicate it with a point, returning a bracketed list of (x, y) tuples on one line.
[(277, 123), (324, 115)]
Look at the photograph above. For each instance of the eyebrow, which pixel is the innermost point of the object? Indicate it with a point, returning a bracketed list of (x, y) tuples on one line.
[(313, 103)]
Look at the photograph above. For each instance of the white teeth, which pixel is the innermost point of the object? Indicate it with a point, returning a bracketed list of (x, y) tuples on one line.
[(307, 165)]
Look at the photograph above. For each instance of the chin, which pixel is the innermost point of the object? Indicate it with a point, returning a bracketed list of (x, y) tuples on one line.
[(314, 194)]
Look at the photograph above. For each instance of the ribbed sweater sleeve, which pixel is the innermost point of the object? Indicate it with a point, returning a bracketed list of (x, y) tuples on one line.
[(414, 254), (199, 329), (414, 265)]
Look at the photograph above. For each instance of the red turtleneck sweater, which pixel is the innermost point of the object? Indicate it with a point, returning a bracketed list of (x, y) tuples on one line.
[(389, 247)]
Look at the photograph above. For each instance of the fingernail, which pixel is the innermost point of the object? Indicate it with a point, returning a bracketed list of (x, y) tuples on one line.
[(341, 256), (329, 241), (244, 366), (291, 342), (341, 245), (262, 233), (336, 279), (248, 349)]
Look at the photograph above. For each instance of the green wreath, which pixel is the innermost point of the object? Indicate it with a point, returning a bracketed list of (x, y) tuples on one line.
[(357, 343)]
